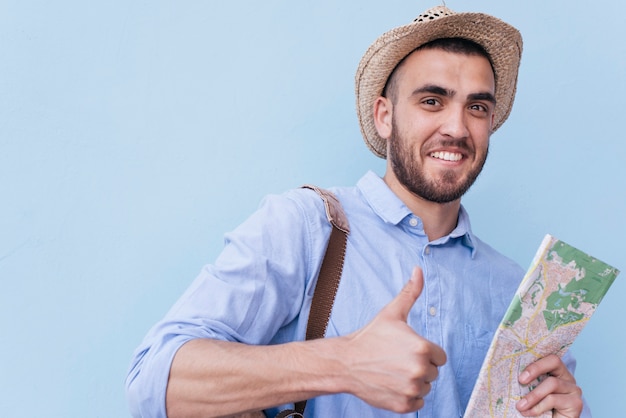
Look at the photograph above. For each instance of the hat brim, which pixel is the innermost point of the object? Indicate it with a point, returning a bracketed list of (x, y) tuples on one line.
[(502, 42)]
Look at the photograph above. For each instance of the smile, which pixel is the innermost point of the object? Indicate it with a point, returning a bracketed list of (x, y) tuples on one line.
[(447, 156)]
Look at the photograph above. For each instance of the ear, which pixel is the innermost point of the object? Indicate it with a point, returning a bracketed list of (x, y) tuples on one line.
[(383, 111)]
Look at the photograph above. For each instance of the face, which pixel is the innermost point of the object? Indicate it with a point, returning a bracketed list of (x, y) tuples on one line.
[(439, 123)]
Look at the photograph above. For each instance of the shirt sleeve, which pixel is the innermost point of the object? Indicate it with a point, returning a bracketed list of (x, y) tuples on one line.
[(257, 287)]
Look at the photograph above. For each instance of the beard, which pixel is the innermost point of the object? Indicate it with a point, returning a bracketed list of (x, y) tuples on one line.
[(448, 187)]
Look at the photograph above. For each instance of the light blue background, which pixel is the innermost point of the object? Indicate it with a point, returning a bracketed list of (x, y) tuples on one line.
[(133, 134)]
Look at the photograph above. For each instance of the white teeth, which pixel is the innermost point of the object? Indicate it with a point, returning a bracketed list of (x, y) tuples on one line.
[(446, 156)]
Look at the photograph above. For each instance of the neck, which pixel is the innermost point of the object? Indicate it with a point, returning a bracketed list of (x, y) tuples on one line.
[(439, 219)]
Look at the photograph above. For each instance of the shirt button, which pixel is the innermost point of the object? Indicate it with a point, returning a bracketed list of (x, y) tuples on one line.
[(427, 250), (413, 222), (432, 311)]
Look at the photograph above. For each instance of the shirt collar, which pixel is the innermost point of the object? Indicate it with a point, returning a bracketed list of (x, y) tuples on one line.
[(463, 231), (382, 199), (388, 206)]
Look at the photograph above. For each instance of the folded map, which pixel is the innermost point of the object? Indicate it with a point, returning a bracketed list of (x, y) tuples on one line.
[(556, 298)]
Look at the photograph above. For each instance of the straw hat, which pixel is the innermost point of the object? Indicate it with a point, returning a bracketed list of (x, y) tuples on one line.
[(502, 42)]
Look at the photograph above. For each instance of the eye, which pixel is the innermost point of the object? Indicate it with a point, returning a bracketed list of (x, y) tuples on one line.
[(480, 110), (431, 101), (479, 107)]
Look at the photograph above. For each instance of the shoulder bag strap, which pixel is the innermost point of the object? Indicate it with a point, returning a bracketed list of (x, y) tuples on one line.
[(330, 272)]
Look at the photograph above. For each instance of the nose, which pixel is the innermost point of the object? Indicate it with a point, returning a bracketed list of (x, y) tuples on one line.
[(454, 124)]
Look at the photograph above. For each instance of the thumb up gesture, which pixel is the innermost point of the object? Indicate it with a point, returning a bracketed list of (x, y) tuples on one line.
[(390, 365)]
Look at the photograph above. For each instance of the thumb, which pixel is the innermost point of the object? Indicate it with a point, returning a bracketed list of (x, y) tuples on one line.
[(401, 305)]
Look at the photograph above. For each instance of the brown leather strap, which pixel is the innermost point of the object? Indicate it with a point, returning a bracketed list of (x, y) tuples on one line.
[(330, 271)]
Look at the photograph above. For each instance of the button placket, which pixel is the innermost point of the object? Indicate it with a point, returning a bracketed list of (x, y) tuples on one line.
[(432, 297)]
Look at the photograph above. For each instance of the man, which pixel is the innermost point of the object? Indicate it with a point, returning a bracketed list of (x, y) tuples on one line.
[(429, 95)]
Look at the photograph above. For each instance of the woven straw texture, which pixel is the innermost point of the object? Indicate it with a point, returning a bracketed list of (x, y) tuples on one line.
[(502, 42)]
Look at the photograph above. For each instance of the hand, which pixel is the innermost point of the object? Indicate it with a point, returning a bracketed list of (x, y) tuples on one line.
[(391, 366), (557, 391)]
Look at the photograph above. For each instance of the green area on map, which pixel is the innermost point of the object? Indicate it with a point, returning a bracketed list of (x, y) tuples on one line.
[(590, 280)]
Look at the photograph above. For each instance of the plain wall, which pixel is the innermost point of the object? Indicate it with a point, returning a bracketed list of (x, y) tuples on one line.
[(133, 134)]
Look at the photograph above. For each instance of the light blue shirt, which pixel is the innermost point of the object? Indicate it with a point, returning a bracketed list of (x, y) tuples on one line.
[(259, 292)]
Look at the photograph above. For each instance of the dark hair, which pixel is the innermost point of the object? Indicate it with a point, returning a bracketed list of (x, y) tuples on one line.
[(454, 45)]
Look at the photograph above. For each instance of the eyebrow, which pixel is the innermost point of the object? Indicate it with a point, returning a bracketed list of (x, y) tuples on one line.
[(434, 89), (441, 91), (482, 96)]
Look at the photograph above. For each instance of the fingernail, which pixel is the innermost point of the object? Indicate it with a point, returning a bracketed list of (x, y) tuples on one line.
[(524, 377), (522, 404)]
